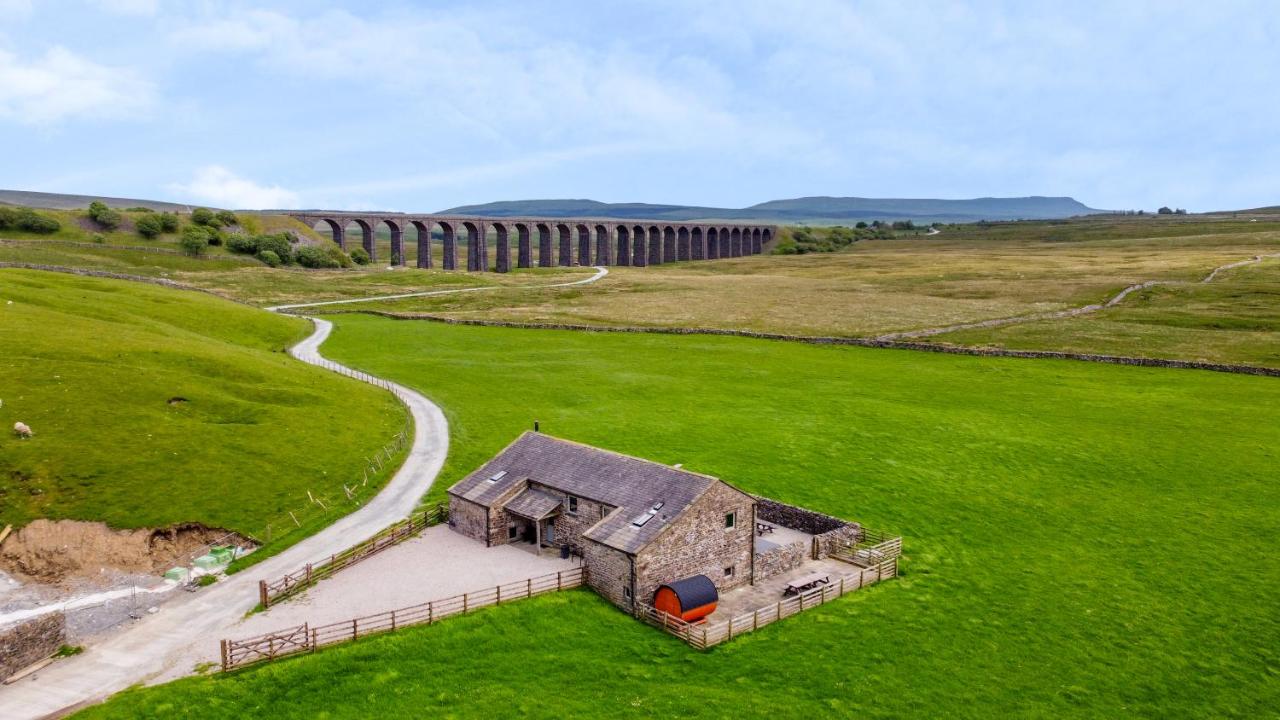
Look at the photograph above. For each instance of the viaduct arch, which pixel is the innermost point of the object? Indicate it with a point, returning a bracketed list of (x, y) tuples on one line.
[(544, 242)]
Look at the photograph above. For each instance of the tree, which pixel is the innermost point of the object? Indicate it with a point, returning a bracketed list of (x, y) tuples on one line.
[(203, 216), (278, 244), (149, 226), (194, 243), (1166, 210), (169, 222), (226, 218)]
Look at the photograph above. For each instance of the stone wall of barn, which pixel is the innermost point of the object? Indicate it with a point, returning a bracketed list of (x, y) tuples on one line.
[(781, 559), (30, 642), (570, 526), (698, 543), (608, 572), (469, 518)]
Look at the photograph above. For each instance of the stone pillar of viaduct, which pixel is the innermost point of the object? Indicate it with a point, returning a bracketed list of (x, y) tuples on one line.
[(562, 242)]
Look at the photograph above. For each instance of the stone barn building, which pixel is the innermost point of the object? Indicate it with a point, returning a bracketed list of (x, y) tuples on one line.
[(637, 524)]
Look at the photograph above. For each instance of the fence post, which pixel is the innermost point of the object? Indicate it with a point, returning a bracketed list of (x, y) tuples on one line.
[(355, 628), (528, 592), (430, 612), (308, 573), (464, 603), (842, 585), (313, 640), (393, 619), (224, 656), (730, 627), (499, 589), (558, 587), (755, 620), (262, 594)]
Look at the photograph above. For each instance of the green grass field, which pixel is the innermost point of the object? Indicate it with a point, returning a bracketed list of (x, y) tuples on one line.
[(92, 365), (1082, 540)]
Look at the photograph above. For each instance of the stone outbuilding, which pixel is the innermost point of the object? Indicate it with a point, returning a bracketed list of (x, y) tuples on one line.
[(636, 524)]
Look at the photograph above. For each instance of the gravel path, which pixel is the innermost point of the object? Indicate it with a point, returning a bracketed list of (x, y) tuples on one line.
[(438, 564), (155, 645)]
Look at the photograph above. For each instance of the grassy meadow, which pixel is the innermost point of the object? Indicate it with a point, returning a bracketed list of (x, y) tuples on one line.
[(152, 406), (1082, 540), (965, 274)]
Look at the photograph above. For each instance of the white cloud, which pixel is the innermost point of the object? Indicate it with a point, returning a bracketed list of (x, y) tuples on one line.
[(15, 9), (62, 85), (218, 186)]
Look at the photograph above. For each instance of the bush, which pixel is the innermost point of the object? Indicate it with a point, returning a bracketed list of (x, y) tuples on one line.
[(8, 218), (278, 244), (313, 257), (194, 243), (207, 235), (139, 210), (226, 218), (149, 226), (105, 217), (203, 216), (31, 221), (270, 258), (360, 256), (243, 244), (336, 255), (169, 222)]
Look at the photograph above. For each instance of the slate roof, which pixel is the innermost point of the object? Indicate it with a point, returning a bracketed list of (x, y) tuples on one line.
[(533, 504), (630, 484)]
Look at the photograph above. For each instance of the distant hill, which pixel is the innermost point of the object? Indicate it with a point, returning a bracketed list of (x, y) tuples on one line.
[(816, 210), (59, 201)]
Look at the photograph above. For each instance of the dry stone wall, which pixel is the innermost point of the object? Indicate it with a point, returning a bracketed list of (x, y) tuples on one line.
[(30, 642), (781, 559), (608, 572), (829, 533)]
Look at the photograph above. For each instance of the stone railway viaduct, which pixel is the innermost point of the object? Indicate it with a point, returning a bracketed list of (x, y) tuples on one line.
[(560, 241)]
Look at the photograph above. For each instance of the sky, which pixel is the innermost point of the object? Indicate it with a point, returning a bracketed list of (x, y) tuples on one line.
[(417, 106)]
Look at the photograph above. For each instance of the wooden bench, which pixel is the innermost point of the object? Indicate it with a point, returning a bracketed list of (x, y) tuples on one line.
[(808, 582)]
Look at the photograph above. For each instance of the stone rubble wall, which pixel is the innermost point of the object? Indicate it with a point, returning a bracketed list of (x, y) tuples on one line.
[(781, 559), (30, 642), (829, 533)]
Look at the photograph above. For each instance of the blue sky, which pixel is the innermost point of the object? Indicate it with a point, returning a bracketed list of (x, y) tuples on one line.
[(423, 106)]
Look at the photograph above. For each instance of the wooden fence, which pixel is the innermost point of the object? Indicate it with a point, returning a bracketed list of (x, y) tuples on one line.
[(706, 635), (873, 549), (272, 592), (306, 638)]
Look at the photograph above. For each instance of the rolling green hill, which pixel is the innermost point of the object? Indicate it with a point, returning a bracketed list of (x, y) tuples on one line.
[(154, 406)]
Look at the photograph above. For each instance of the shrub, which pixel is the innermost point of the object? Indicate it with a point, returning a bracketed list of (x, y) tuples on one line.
[(270, 258), (313, 257), (336, 255), (278, 244), (862, 224), (243, 244), (360, 256), (169, 222), (139, 210), (197, 233), (194, 243), (31, 221), (203, 216), (105, 217), (98, 238), (8, 218), (149, 226), (226, 218)]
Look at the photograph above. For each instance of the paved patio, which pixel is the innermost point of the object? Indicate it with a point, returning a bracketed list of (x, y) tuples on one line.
[(768, 592)]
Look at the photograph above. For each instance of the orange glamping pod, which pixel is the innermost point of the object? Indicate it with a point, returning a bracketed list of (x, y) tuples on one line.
[(690, 599)]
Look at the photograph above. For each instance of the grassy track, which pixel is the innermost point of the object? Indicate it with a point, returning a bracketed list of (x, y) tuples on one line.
[(91, 366), (1083, 540)]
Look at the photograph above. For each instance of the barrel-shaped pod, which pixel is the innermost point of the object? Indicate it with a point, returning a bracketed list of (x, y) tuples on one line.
[(690, 599)]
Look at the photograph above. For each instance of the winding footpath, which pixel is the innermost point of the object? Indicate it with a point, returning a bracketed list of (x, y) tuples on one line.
[(145, 650), (151, 648), (1059, 314)]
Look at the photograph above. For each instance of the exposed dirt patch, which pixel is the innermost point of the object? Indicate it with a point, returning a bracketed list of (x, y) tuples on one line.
[(58, 551)]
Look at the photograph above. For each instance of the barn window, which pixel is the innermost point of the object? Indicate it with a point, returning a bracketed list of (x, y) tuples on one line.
[(626, 591), (728, 572), (730, 520), (573, 505)]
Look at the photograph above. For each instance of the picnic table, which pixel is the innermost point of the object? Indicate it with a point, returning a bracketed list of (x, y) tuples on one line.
[(805, 583), (762, 528)]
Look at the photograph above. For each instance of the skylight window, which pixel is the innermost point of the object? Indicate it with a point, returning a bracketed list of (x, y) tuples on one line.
[(498, 476)]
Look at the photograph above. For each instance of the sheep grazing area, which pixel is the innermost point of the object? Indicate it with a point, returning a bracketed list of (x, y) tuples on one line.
[(1081, 540), (154, 408)]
